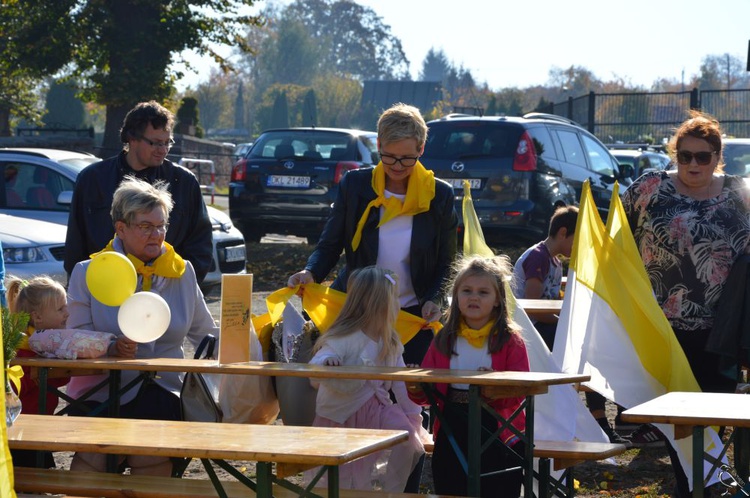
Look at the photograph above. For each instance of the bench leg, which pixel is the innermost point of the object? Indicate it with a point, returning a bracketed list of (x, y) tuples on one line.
[(265, 480), (333, 481), (544, 477)]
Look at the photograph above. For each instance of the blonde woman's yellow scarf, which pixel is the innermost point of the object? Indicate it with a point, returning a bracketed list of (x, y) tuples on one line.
[(168, 265), (419, 193), (477, 338)]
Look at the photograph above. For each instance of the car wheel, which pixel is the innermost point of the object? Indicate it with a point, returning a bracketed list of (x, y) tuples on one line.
[(251, 234)]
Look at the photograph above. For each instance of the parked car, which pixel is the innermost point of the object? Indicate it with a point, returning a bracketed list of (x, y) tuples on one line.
[(737, 156), (38, 184), (241, 150), (639, 160), (32, 247), (519, 168), (288, 180)]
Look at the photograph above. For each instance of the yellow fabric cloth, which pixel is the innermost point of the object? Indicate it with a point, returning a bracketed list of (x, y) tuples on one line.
[(324, 304), (420, 191), (168, 265), (14, 374), (477, 338)]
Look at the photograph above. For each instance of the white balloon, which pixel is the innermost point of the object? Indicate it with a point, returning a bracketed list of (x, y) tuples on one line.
[(144, 317)]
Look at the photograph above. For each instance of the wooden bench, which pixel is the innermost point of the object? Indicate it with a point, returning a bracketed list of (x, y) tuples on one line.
[(86, 484), (566, 454)]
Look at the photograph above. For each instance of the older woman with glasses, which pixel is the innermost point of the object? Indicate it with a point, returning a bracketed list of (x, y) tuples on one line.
[(691, 224), (139, 213)]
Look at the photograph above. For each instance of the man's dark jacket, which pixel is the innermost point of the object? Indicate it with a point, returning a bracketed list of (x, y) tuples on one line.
[(433, 238), (90, 225)]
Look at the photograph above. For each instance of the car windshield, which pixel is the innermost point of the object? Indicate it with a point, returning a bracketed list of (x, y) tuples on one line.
[(312, 145), (465, 140)]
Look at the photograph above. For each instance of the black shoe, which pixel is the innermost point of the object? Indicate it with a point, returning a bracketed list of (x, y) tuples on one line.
[(616, 438)]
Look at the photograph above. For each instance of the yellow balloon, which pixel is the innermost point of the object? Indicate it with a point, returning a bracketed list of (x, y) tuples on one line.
[(111, 278)]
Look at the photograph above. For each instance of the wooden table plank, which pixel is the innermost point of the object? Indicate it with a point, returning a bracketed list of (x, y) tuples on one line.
[(541, 306), (682, 408), (266, 443), (436, 375)]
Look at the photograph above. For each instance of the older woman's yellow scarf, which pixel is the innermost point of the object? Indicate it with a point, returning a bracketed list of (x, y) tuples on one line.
[(168, 265), (419, 193), (477, 338)]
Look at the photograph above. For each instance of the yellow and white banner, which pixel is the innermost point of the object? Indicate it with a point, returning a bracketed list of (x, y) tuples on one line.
[(6, 464), (611, 326)]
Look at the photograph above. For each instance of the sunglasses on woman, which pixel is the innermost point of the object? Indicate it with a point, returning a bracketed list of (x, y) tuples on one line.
[(702, 158)]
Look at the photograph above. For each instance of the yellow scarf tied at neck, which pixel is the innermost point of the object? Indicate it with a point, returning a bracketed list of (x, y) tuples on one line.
[(419, 193), (168, 265), (477, 338), (324, 304)]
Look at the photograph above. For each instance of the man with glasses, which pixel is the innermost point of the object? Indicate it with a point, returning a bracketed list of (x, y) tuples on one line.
[(146, 135)]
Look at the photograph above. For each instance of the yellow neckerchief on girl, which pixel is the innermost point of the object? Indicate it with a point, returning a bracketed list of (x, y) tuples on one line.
[(420, 190), (477, 338), (168, 265)]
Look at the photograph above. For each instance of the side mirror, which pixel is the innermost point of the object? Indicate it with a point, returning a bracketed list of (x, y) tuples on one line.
[(626, 171), (65, 197)]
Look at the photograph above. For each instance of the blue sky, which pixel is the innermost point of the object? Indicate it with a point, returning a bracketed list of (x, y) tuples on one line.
[(511, 43)]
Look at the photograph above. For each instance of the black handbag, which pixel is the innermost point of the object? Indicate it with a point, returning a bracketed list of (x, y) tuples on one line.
[(198, 399)]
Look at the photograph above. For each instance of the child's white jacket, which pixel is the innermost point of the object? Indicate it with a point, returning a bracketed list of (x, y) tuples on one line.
[(339, 399)]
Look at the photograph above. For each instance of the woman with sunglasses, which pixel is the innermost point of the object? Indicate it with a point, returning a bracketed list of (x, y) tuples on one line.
[(690, 225)]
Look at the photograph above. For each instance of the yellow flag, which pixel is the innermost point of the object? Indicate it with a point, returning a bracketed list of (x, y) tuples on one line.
[(473, 236), (6, 463)]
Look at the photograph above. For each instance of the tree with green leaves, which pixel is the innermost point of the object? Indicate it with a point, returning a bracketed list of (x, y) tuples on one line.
[(188, 122), (121, 51), (239, 108), (435, 66), (352, 38), (280, 112)]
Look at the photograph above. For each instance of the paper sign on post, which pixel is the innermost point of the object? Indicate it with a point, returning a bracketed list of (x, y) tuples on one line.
[(236, 306)]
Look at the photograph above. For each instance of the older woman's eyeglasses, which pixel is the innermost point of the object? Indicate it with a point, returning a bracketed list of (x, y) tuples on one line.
[(147, 229), (406, 162), (702, 158), (156, 145)]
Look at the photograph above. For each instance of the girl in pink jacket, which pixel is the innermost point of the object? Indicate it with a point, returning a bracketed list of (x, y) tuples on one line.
[(479, 335)]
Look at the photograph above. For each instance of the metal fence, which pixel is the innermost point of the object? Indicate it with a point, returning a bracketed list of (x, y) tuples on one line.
[(652, 116)]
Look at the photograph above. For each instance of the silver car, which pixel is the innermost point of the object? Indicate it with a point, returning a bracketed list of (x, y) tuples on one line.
[(38, 184), (32, 247)]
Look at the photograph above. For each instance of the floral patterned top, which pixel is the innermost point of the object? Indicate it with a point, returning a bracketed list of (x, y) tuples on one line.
[(688, 246)]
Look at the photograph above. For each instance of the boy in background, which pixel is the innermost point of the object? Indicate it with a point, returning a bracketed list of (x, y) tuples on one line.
[(538, 275)]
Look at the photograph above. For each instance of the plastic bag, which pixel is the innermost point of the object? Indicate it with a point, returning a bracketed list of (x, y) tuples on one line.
[(70, 344), (292, 341), (248, 399)]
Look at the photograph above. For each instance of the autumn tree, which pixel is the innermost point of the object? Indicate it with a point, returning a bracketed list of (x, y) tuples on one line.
[(120, 50)]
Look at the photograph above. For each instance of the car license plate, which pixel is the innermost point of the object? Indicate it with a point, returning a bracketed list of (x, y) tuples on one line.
[(232, 254), (458, 183), (288, 181)]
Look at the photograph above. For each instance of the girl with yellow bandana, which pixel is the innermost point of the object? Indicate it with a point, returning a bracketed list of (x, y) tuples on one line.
[(479, 335), (396, 216)]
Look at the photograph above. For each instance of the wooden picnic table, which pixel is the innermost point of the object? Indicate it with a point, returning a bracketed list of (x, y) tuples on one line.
[(691, 413), (534, 307), (291, 448), (481, 383)]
